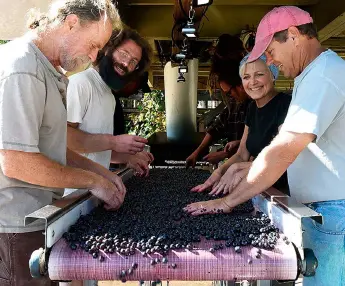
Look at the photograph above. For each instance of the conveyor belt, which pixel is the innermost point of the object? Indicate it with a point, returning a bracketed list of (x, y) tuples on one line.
[(282, 263), (198, 264)]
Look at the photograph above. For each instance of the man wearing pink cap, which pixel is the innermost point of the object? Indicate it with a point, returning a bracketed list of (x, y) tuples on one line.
[(311, 142)]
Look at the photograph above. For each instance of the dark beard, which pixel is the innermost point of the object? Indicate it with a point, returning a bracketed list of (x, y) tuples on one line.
[(125, 69), (110, 76)]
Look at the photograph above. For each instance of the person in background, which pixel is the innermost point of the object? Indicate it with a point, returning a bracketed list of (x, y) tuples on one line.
[(311, 143), (134, 89), (35, 163), (229, 123), (266, 114), (91, 104)]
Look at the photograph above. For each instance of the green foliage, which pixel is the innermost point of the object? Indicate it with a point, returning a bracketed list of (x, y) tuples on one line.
[(3, 42), (151, 118)]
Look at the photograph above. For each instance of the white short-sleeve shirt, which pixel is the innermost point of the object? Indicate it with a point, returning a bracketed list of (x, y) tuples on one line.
[(91, 103), (318, 107)]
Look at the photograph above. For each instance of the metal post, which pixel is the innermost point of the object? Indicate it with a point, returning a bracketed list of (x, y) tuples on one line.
[(90, 283), (263, 283), (181, 102)]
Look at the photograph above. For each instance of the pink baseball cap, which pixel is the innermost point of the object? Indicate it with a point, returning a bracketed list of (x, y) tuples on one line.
[(279, 19)]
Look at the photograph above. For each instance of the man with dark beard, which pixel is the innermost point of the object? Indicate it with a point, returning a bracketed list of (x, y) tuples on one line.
[(91, 103)]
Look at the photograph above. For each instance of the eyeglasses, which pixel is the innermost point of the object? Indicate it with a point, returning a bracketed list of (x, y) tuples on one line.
[(124, 56)]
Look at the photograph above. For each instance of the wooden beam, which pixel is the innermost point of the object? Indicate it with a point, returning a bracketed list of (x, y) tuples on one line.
[(227, 2), (336, 44), (158, 82), (326, 11), (159, 71), (336, 27), (150, 83)]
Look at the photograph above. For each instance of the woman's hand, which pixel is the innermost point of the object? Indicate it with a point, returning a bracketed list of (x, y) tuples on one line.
[(208, 207), (231, 146), (147, 156), (191, 160), (140, 166), (210, 182), (215, 157), (232, 177)]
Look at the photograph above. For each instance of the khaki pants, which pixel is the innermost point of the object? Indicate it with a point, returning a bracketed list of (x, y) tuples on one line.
[(15, 252)]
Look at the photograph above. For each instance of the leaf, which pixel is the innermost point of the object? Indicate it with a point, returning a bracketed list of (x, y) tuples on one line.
[(151, 118)]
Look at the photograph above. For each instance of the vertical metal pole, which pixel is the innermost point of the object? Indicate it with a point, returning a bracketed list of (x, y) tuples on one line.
[(181, 101)]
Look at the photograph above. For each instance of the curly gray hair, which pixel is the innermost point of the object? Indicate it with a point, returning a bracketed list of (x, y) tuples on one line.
[(86, 10)]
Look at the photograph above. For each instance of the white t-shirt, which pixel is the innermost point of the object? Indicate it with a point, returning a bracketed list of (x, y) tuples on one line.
[(32, 119), (318, 107), (91, 104)]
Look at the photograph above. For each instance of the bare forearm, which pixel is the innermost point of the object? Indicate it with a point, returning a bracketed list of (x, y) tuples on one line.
[(37, 169), (82, 142), (103, 174), (242, 193), (242, 154), (79, 161), (232, 160), (236, 142), (205, 143), (268, 167), (119, 158)]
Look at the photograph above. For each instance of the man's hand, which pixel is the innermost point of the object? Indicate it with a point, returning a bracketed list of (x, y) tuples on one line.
[(191, 160), (146, 156), (117, 181), (208, 207), (139, 165), (232, 177), (216, 157), (210, 182), (108, 192), (130, 144), (231, 146)]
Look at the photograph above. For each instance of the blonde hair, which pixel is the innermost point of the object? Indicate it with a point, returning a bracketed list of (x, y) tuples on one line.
[(86, 10), (242, 68)]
